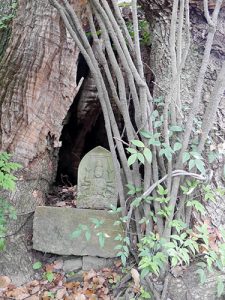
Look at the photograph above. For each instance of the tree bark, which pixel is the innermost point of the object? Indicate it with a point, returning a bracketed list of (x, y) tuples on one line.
[(38, 72), (183, 288)]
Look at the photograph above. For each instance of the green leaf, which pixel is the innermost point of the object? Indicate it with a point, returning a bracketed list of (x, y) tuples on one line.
[(177, 146), (88, 235), (138, 143), (49, 276), (174, 261), (118, 247), (144, 272), (146, 134), (2, 244), (154, 142), (168, 154), (98, 222), (220, 287), (157, 124), (14, 5), (212, 156), (201, 264), (202, 275), (136, 202), (197, 205), (76, 233), (123, 259), (196, 155), (132, 150), (161, 191), (186, 157), (147, 154), (141, 158), (200, 165), (131, 160), (116, 223), (101, 239), (118, 237), (191, 164), (37, 265)]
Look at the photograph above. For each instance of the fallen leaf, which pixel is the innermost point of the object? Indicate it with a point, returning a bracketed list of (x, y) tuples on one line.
[(34, 283), (89, 275), (93, 297), (11, 287), (35, 290), (118, 263), (49, 268), (33, 297), (4, 281), (89, 293), (80, 297), (19, 293), (58, 264), (70, 285), (106, 291), (60, 293), (136, 277)]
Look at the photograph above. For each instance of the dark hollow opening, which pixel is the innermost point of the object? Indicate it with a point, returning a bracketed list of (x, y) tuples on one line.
[(83, 128)]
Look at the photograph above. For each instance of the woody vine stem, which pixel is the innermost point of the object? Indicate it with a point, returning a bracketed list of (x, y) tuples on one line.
[(115, 61)]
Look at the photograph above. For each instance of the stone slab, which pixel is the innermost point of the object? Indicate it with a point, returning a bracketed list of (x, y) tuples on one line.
[(72, 265), (96, 180), (96, 263), (53, 226)]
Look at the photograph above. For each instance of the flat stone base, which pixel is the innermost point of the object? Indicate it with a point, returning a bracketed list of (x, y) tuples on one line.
[(96, 263), (53, 226)]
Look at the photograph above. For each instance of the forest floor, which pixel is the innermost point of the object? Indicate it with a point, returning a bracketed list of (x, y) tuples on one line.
[(53, 283)]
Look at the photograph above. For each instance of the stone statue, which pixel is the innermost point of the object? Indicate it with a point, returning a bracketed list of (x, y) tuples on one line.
[(96, 180)]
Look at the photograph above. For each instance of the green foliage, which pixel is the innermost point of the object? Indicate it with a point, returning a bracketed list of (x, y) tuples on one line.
[(194, 159), (37, 265), (152, 258), (167, 151), (82, 229), (123, 248), (144, 31), (197, 205), (202, 275), (49, 276), (86, 230), (7, 18), (220, 287), (51, 295), (145, 294), (139, 155), (7, 182)]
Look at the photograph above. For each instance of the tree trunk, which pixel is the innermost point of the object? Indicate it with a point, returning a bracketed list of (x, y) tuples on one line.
[(38, 69), (160, 57), (159, 15)]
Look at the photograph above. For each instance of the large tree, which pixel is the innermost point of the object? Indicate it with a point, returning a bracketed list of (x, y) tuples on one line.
[(38, 85)]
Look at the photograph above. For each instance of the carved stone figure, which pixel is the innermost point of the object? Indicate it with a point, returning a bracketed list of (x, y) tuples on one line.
[(96, 180)]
